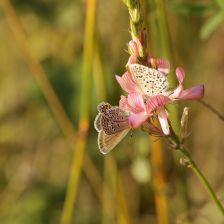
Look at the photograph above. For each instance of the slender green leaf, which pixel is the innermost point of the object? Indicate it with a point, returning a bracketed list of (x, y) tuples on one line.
[(220, 3), (211, 24)]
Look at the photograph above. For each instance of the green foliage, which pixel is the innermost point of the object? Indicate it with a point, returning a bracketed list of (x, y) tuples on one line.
[(43, 9), (197, 9), (211, 25), (215, 9), (34, 155)]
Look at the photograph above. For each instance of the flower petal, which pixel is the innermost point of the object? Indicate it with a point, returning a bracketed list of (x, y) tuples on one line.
[(176, 93), (139, 46), (163, 65), (193, 93), (163, 119), (133, 48), (126, 82), (180, 73), (156, 102), (135, 120), (123, 103), (132, 60), (136, 103)]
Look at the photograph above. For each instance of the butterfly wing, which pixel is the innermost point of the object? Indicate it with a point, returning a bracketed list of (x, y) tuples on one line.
[(103, 107), (117, 114), (107, 142), (151, 81), (97, 122), (112, 125)]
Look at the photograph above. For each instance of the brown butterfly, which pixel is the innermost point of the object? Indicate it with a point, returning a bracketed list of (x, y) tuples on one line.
[(112, 126)]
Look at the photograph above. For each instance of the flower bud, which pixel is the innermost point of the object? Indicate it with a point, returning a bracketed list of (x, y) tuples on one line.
[(185, 162), (135, 15), (151, 61), (133, 48), (140, 47)]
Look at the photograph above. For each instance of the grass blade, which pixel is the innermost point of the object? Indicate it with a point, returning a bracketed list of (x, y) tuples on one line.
[(210, 25)]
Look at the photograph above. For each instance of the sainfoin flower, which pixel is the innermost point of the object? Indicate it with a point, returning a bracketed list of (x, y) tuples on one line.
[(149, 93)]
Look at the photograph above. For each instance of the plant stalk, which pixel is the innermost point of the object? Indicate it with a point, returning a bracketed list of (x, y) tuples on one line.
[(49, 93), (191, 163), (203, 179), (79, 149)]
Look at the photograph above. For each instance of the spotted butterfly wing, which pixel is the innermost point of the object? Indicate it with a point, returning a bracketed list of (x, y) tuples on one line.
[(112, 126), (151, 81)]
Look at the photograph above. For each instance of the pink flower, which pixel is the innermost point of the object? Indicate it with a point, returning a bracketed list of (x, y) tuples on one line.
[(193, 93), (141, 111), (142, 105), (160, 64), (134, 52), (127, 83), (151, 94)]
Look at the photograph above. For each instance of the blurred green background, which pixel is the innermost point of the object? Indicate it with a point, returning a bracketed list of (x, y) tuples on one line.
[(35, 156)]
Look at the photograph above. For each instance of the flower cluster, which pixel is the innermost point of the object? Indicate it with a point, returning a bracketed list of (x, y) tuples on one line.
[(148, 94), (143, 104)]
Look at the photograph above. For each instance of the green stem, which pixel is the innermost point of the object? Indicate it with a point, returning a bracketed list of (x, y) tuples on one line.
[(80, 146), (136, 22), (212, 109), (203, 179), (179, 146)]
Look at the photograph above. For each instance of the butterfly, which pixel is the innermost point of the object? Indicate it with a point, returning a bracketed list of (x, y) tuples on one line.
[(150, 81), (112, 126)]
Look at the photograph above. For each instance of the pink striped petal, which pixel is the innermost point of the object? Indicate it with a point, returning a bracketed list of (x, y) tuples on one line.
[(176, 93), (156, 102), (126, 82), (133, 48), (180, 73), (136, 103), (123, 103), (132, 60), (193, 93), (139, 45), (163, 65), (136, 120), (163, 120)]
